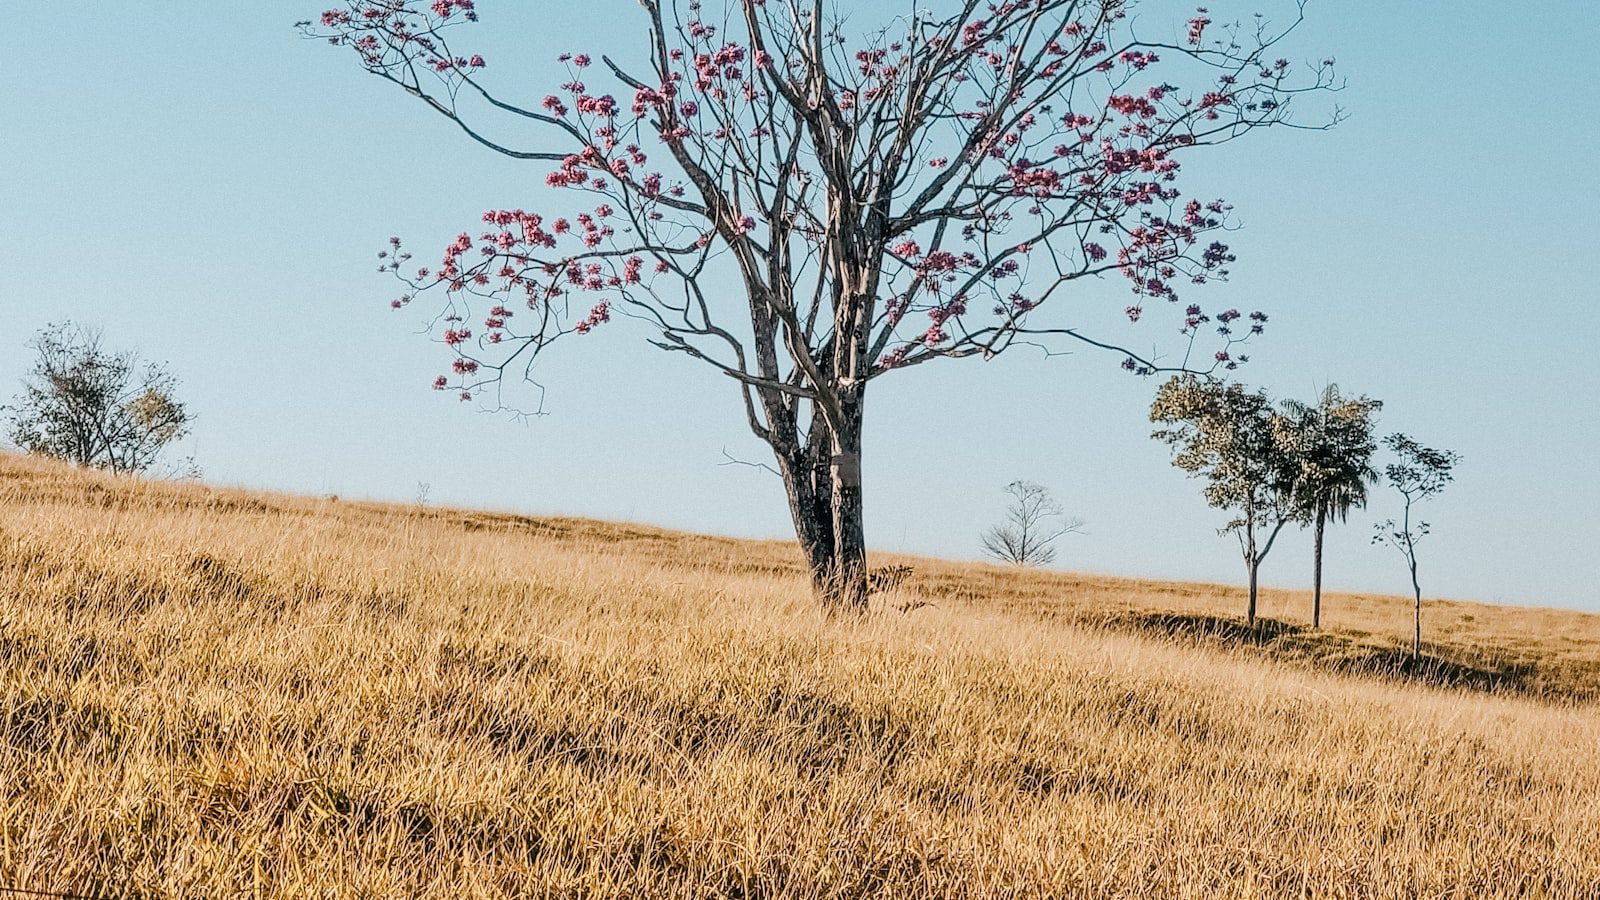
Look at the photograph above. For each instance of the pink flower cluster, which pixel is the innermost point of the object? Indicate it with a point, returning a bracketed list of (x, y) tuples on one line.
[(600, 313), (444, 9), (1131, 106)]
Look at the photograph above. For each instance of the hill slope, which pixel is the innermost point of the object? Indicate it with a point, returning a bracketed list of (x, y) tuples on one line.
[(210, 692)]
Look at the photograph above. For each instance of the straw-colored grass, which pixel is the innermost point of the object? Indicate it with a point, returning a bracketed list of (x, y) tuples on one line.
[(213, 693)]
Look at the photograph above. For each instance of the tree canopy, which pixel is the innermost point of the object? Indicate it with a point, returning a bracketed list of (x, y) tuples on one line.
[(806, 209), (93, 406)]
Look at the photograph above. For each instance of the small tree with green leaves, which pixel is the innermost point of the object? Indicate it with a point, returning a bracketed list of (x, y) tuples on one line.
[(1332, 444), (1232, 437), (95, 407), (1034, 522), (1418, 473)]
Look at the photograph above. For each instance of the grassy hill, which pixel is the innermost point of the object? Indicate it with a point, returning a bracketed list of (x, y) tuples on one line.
[(216, 693)]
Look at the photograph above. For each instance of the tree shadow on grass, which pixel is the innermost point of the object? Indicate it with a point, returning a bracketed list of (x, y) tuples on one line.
[(1221, 629), (1357, 653)]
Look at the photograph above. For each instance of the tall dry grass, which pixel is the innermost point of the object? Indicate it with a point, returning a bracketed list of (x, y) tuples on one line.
[(212, 693)]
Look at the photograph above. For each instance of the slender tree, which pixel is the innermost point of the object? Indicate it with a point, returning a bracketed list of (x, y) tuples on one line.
[(1332, 443), (1232, 437), (1417, 474), (806, 212), (93, 406), (1034, 522)]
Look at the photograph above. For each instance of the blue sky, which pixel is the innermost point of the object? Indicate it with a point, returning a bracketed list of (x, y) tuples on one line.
[(212, 189)]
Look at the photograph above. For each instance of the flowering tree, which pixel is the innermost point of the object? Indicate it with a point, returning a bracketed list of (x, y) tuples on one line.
[(928, 191)]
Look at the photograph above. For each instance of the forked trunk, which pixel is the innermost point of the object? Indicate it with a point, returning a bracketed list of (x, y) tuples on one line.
[(1253, 557), (812, 511), (825, 502)]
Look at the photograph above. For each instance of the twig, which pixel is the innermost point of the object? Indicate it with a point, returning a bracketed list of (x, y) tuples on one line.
[(731, 460)]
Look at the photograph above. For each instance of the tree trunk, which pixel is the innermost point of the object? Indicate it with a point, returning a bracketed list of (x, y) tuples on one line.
[(1416, 618), (1316, 567), (823, 483), (1252, 560), (849, 530), (1255, 566), (811, 507)]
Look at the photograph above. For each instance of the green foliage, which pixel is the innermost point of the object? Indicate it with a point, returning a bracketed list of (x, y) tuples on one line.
[(1332, 444), (1234, 439), (1417, 474), (95, 407)]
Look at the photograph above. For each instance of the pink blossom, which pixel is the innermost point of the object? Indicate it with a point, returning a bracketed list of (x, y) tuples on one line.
[(601, 313), (1213, 99), (1131, 106), (895, 357), (1030, 165)]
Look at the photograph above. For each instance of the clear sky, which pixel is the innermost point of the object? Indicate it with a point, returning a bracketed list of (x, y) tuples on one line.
[(212, 189)]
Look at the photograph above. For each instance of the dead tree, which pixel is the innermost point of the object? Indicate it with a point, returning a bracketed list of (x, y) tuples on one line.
[(1033, 523)]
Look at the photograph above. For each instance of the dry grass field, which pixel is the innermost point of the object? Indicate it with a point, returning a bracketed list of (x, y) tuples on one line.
[(213, 693)]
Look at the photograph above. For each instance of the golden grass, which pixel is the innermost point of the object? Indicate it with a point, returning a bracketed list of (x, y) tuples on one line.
[(213, 693)]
